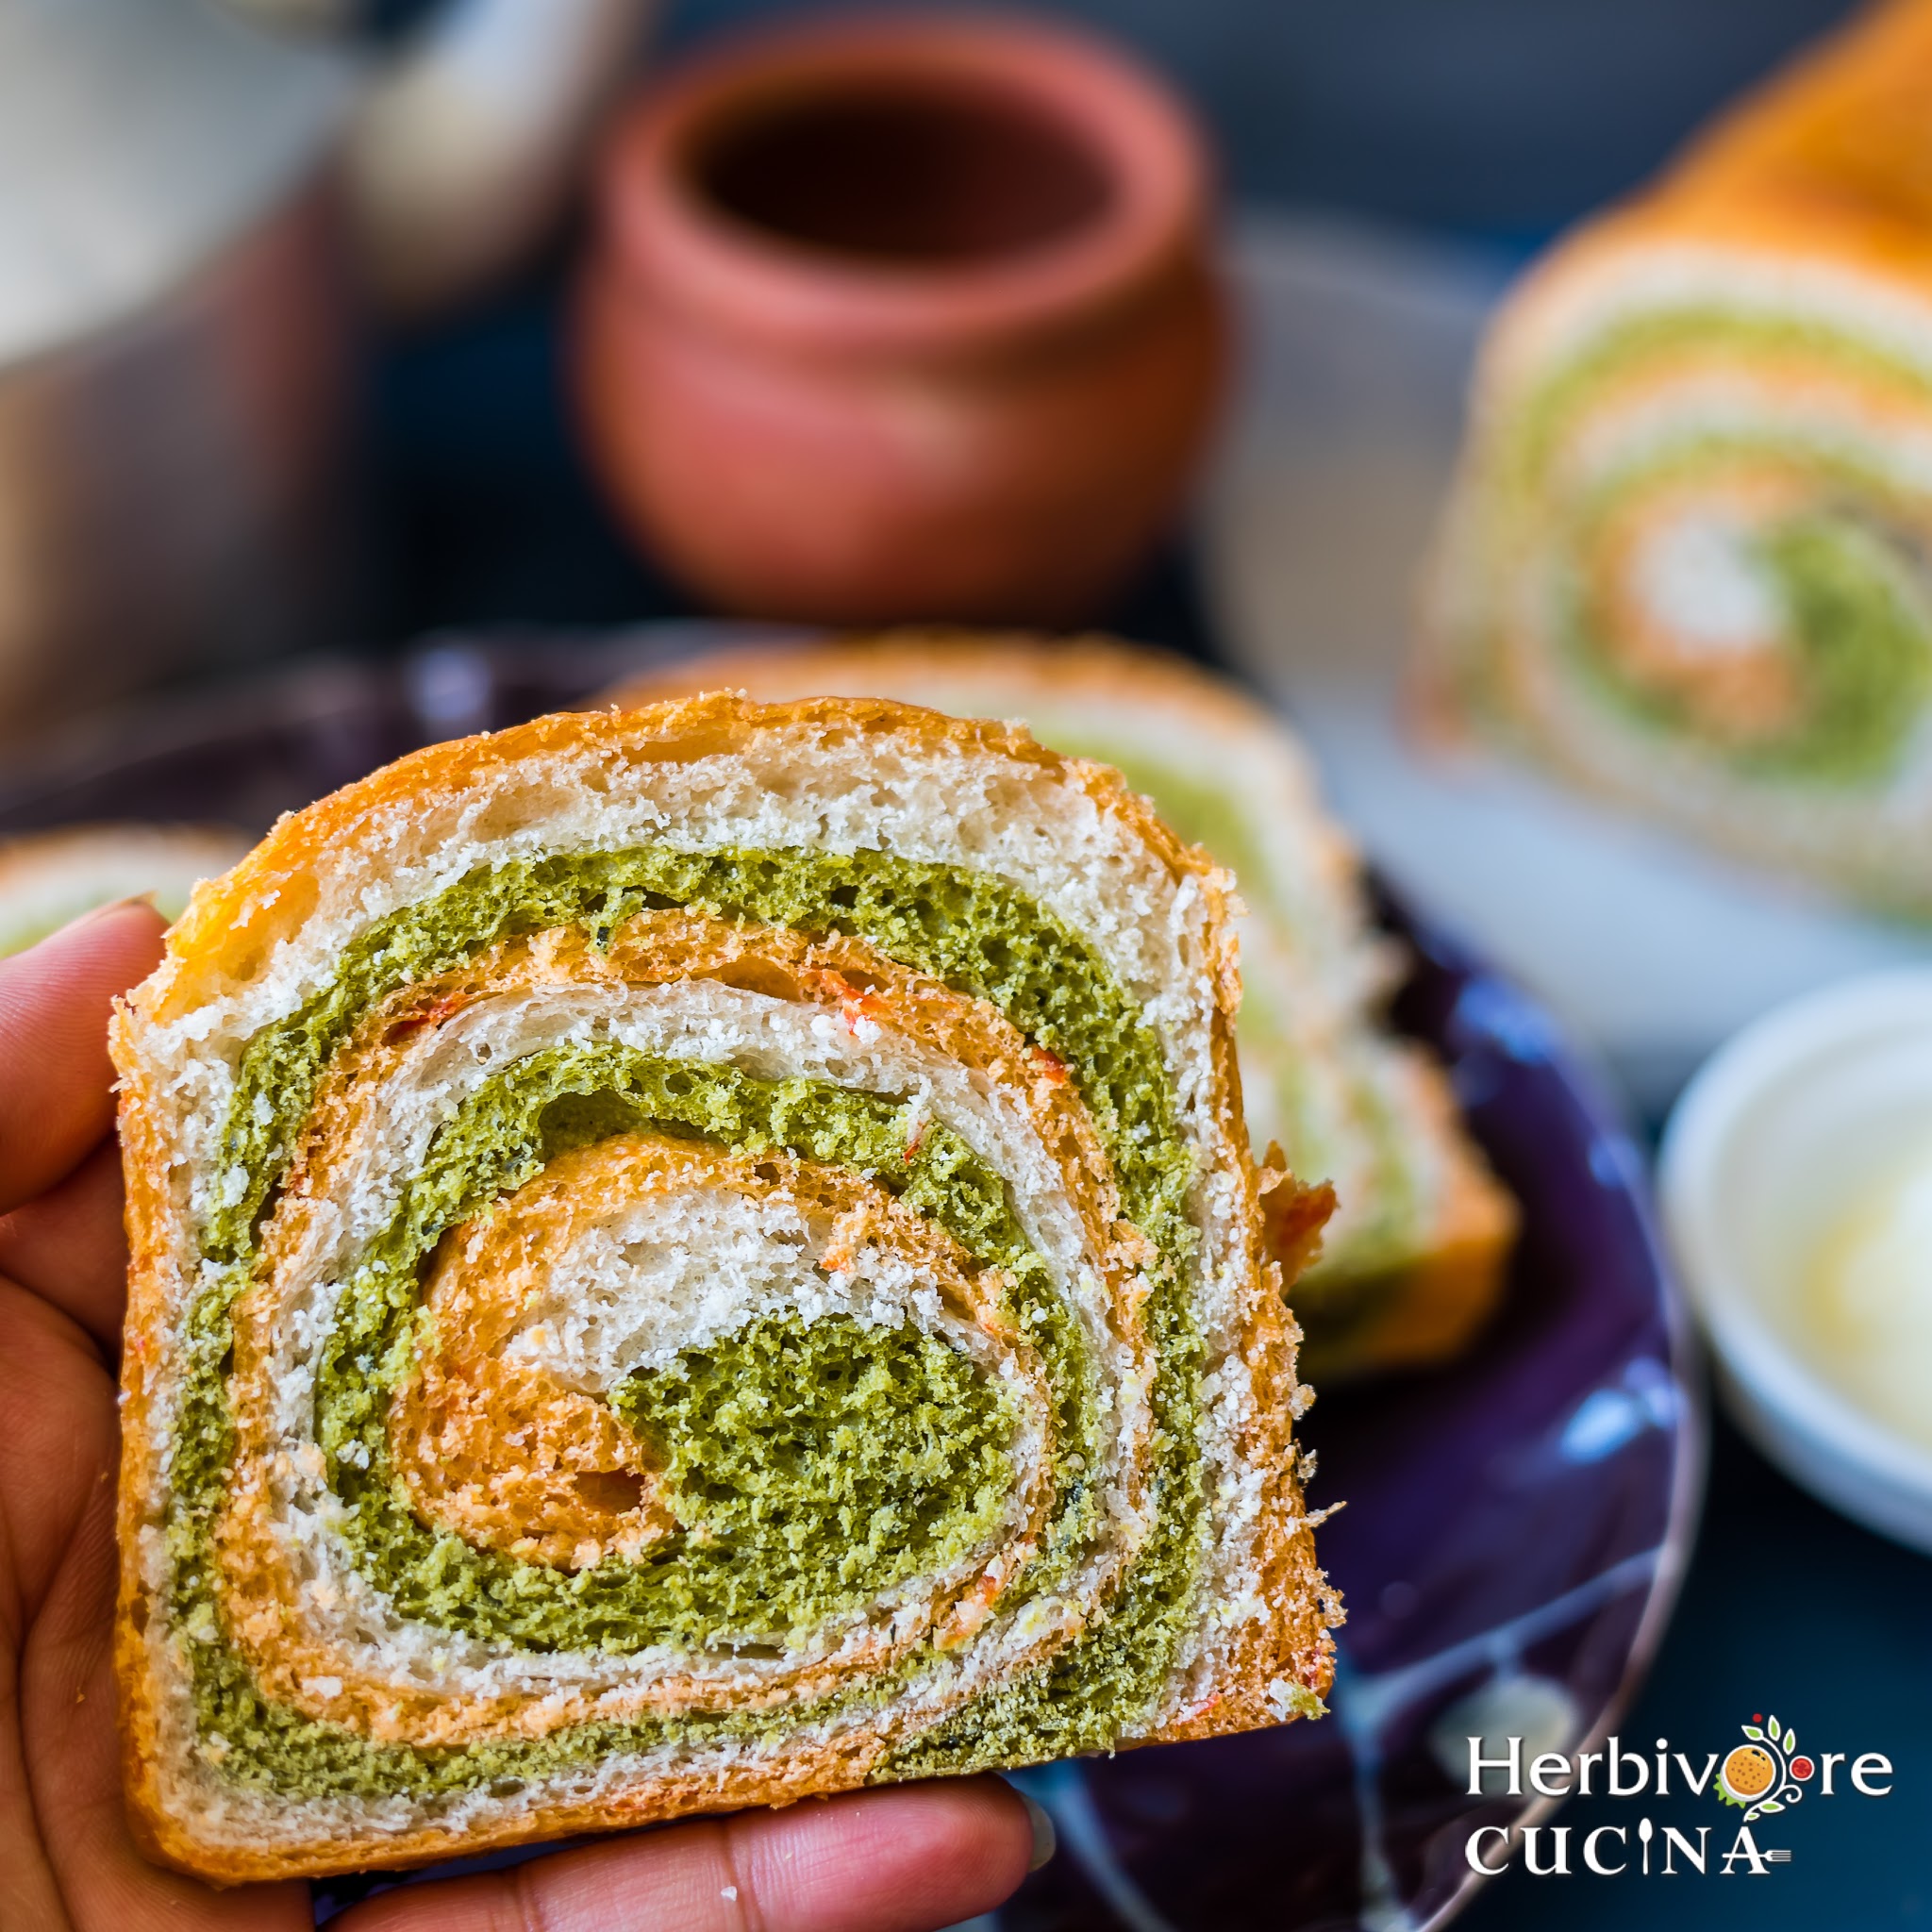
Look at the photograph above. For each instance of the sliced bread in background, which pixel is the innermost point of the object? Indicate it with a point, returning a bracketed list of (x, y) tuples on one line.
[(1414, 1261)]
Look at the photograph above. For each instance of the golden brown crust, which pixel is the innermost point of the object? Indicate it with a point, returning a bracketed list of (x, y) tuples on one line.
[(843, 1765), (148, 1215), (227, 932), (1064, 667), (227, 937), (1294, 1645), (1818, 164), (1819, 161)]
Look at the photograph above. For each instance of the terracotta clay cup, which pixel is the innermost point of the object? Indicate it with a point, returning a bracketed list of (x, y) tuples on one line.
[(900, 318)]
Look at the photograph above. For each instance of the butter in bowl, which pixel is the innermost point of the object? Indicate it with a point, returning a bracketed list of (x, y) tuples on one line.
[(1796, 1183)]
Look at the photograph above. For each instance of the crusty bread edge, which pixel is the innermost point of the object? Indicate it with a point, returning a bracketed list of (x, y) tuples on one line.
[(1063, 667)]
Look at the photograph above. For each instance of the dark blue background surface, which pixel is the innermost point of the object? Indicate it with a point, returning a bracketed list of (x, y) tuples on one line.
[(1499, 117), (1505, 116)]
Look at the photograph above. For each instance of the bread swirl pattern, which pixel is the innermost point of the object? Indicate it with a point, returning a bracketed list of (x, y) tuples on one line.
[(1684, 560), (1412, 1261), (689, 1257)]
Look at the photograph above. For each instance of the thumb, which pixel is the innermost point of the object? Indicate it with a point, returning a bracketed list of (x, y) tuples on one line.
[(55, 1083), (897, 1860)]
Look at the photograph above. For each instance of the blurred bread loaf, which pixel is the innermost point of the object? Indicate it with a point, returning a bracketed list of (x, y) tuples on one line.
[(1686, 558)]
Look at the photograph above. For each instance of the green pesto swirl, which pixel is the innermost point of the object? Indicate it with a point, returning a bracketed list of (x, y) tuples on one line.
[(1857, 624), (691, 1593), (978, 934), (816, 1465)]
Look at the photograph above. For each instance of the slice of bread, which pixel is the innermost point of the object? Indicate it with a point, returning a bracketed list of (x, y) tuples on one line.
[(1683, 561), (1412, 1262), (691, 1257)]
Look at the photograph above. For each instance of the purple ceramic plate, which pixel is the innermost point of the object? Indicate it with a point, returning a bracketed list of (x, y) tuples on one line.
[(1516, 1526)]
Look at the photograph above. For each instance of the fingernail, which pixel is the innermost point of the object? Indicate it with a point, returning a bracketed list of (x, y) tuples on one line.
[(112, 907), (1044, 1842), (83, 920)]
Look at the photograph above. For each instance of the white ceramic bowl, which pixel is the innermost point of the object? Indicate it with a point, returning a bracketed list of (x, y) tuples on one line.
[(1779, 1133)]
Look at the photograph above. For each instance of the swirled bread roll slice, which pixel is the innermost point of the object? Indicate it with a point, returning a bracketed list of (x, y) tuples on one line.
[(1684, 561), (690, 1257), (1413, 1260)]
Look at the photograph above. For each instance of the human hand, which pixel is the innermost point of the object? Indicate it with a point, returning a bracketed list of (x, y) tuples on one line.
[(891, 1861)]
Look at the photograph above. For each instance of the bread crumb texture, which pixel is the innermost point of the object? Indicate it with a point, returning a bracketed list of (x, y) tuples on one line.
[(690, 1257)]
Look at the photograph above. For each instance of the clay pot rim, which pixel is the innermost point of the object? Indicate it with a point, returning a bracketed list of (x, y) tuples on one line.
[(668, 242)]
